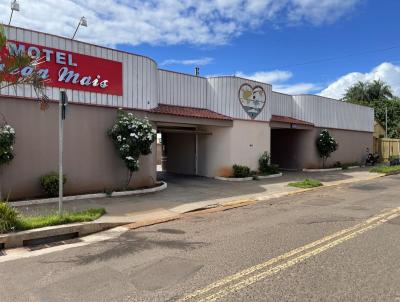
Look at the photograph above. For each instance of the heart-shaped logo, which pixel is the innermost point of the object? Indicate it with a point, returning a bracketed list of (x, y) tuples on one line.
[(252, 99)]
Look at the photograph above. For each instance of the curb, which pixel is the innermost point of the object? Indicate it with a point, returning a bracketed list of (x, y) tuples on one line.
[(269, 176), (322, 170), (256, 177), (23, 238), (88, 196), (233, 179), (353, 167)]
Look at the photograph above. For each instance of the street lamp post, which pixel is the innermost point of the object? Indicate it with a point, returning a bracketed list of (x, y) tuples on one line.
[(82, 22), (14, 7), (62, 111)]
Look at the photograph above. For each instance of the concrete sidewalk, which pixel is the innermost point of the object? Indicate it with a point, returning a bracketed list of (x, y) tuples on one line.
[(185, 194)]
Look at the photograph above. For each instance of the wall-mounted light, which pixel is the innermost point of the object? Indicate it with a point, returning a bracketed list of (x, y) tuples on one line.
[(14, 7), (82, 22)]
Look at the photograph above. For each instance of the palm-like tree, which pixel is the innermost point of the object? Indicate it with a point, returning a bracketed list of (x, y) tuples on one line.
[(368, 93), (378, 90), (357, 93)]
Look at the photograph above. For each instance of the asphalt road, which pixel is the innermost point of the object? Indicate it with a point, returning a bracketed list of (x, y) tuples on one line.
[(336, 244)]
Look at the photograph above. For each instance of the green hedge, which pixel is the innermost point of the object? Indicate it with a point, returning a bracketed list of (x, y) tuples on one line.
[(241, 171)]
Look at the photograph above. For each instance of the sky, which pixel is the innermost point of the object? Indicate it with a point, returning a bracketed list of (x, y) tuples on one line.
[(298, 46)]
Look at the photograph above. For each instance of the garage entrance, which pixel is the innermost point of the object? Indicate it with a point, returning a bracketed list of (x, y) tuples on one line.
[(179, 149), (290, 142)]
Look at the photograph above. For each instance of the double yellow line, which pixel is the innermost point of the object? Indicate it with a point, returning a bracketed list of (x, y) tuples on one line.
[(247, 277)]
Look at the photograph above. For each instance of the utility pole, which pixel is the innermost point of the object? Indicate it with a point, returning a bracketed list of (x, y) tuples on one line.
[(62, 109)]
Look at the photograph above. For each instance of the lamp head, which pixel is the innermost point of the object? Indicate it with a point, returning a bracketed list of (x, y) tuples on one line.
[(15, 5), (83, 22)]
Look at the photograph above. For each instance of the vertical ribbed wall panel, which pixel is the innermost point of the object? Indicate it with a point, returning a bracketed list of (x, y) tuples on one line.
[(182, 89), (223, 97), (330, 113)]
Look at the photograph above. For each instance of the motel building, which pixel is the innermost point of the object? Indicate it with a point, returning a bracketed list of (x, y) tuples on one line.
[(206, 124)]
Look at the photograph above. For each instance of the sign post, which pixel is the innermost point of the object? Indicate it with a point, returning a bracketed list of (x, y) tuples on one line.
[(62, 109)]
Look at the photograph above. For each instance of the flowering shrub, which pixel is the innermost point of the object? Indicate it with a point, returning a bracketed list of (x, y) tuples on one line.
[(326, 145), (7, 140), (132, 137)]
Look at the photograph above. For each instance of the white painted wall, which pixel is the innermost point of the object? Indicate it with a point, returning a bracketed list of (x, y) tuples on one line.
[(223, 97), (330, 113), (242, 144), (182, 89)]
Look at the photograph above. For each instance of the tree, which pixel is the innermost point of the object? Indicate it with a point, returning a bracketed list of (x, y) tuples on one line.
[(367, 93), (132, 137), (326, 145), (379, 96), (11, 64)]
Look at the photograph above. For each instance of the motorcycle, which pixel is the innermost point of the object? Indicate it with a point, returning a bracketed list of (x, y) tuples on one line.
[(372, 159)]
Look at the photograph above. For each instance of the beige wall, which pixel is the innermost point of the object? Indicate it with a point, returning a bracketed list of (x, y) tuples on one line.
[(90, 161), (241, 144), (296, 149)]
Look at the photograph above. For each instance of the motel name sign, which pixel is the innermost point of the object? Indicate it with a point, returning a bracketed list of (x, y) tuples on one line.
[(64, 69)]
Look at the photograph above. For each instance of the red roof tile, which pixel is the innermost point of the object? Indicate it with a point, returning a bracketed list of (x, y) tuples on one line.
[(189, 112), (289, 120)]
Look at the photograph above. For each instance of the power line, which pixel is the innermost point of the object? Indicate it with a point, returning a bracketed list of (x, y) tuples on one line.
[(322, 60)]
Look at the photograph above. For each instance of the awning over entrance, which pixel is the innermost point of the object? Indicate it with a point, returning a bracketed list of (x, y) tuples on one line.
[(189, 112), (286, 122), (188, 115)]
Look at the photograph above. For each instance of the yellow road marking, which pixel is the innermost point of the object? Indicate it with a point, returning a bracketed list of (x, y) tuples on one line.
[(354, 231)]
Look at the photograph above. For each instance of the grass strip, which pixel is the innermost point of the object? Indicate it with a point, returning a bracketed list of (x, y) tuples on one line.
[(34, 222), (306, 184), (386, 169)]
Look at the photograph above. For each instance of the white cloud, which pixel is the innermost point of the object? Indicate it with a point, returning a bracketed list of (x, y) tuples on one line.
[(322, 11), (267, 76), (386, 72), (298, 88), (278, 78), (198, 62), (135, 22)]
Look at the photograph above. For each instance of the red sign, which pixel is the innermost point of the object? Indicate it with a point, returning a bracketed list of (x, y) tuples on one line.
[(65, 69)]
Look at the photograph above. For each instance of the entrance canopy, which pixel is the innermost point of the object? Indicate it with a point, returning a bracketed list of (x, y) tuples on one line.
[(286, 122), (188, 115)]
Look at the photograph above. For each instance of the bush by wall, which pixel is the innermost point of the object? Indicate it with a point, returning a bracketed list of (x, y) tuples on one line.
[(7, 140), (241, 171), (49, 183), (264, 166)]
